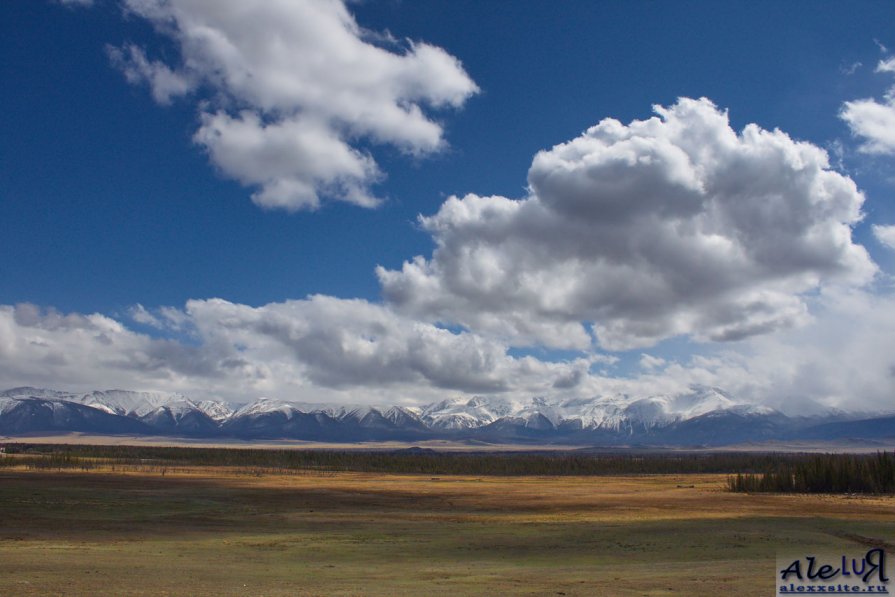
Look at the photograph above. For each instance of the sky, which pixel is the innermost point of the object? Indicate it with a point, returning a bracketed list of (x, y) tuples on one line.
[(398, 202)]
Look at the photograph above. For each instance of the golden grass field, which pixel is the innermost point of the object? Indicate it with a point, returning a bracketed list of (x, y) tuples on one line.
[(203, 531)]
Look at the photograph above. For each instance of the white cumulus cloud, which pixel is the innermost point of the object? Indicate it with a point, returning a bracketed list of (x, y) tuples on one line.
[(319, 349), (338, 351), (844, 359), (872, 119), (288, 89), (674, 225), (885, 235)]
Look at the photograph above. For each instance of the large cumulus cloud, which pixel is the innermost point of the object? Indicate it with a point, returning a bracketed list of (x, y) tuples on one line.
[(289, 89), (667, 226)]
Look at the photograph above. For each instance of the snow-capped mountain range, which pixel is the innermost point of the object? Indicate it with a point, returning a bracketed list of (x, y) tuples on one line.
[(701, 416), (608, 412)]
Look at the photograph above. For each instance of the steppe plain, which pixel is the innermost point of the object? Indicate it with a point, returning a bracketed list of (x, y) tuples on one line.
[(226, 531)]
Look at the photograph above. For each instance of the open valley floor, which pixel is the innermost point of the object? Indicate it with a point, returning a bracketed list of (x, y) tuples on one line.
[(228, 531)]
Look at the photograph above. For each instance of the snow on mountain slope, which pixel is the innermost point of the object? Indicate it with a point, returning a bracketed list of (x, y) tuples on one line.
[(264, 406), (601, 412), (353, 415), (347, 412), (6, 404), (657, 411), (29, 392), (463, 413), (217, 411), (403, 417), (125, 402), (135, 404), (497, 416), (267, 405), (700, 401)]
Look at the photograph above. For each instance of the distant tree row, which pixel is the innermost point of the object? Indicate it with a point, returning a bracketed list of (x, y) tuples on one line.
[(825, 473), (412, 461), (769, 472)]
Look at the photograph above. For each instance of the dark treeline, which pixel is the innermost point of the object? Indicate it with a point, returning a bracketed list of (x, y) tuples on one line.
[(418, 461), (823, 473), (749, 472)]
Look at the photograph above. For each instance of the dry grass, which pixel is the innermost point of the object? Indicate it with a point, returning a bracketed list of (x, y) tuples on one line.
[(223, 532)]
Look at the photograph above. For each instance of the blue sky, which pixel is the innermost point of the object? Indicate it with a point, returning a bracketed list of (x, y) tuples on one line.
[(115, 213)]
